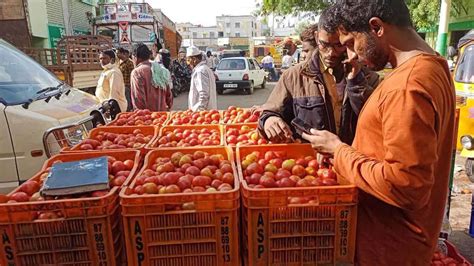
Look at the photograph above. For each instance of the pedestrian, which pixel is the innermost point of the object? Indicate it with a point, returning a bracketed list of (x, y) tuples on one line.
[(202, 94), (401, 156), (126, 67), (165, 58), (181, 71), (149, 82), (287, 60), (308, 42), (110, 84), (268, 64), (322, 91), (211, 61)]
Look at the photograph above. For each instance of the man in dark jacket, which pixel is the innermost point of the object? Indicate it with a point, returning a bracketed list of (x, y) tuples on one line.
[(325, 91)]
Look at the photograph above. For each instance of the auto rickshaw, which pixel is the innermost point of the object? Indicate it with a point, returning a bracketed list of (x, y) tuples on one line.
[(464, 83)]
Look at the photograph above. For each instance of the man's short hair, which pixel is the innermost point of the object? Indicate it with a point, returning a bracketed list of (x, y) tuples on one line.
[(308, 34), (354, 15), (141, 51), (109, 52), (123, 50)]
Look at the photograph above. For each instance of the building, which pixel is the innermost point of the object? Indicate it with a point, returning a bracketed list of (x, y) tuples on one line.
[(460, 22), (14, 24), (205, 38), (237, 26), (50, 20)]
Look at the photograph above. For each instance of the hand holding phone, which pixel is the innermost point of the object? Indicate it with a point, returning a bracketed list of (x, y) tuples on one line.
[(301, 126)]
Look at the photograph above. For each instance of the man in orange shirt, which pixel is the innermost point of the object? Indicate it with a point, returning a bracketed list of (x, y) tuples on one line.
[(401, 155)]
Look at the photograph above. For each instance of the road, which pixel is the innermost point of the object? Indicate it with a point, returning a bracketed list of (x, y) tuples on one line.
[(236, 98)]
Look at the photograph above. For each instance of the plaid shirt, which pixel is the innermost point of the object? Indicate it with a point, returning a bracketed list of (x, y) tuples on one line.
[(126, 68)]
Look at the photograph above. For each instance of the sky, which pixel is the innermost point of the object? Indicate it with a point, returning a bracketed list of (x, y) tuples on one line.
[(202, 12)]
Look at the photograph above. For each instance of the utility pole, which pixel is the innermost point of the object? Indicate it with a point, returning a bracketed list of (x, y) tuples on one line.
[(441, 43)]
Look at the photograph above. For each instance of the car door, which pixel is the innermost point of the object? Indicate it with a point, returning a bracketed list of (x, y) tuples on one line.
[(9, 176), (260, 72), (252, 72)]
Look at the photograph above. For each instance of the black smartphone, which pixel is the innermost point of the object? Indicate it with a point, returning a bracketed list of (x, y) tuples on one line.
[(300, 126)]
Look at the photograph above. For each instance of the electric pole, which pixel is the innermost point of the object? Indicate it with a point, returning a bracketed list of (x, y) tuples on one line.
[(441, 43)]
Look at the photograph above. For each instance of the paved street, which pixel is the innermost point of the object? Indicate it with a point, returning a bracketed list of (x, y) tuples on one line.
[(237, 98)]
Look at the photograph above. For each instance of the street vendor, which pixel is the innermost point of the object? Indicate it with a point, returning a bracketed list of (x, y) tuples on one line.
[(401, 155), (325, 91)]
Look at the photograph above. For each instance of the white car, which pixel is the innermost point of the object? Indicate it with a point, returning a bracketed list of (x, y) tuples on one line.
[(239, 73)]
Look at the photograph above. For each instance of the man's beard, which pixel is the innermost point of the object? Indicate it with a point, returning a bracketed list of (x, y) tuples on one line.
[(375, 55)]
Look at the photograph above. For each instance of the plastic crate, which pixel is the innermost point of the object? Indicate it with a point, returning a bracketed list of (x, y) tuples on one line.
[(454, 253), (166, 129), (278, 233), (207, 235), (132, 114), (89, 231), (146, 130)]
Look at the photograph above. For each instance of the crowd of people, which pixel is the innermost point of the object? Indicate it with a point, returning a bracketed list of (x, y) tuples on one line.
[(145, 78), (391, 138)]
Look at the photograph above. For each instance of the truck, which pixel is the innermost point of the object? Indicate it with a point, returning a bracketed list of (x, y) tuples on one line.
[(75, 60), (128, 23), (40, 115)]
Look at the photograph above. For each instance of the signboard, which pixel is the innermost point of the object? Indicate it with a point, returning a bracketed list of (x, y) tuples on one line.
[(124, 16), (223, 41), (55, 34), (124, 32)]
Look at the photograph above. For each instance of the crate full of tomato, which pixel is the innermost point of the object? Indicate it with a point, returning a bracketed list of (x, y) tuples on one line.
[(76, 229), (182, 208), (143, 117), (294, 210)]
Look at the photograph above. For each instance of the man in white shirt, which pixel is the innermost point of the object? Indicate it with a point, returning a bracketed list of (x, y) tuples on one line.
[(287, 60), (267, 64), (202, 94), (110, 84)]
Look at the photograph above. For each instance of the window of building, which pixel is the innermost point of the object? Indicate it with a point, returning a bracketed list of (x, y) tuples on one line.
[(195, 34), (252, 24), (237, 24), (220, 34), (227, 25), (212, 34), (204, 35), (237, 34), (141, 33)]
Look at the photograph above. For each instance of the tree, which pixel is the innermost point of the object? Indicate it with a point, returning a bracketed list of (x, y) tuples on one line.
[(425, 13)]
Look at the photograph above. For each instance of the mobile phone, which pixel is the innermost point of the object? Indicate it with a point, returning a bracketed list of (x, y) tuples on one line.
[(301, 126)]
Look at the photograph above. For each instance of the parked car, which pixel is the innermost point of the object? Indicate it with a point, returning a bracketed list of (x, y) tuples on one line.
[(239, 73)]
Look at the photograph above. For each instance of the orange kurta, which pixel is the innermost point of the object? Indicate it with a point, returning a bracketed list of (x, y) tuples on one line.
[(401, 159)]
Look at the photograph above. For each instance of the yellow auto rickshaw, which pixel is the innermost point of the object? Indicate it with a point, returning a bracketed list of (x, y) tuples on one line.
[(464, 83)]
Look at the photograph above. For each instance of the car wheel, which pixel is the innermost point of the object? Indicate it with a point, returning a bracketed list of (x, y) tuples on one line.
[(220, 92), (264, 84), (250, 90)]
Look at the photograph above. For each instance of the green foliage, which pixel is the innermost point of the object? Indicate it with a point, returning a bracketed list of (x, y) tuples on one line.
[(425, 13)]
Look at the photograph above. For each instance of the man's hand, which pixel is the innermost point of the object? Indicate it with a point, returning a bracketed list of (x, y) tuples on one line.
[(256, 108), (323, 141), (353, 62), (277, 130)]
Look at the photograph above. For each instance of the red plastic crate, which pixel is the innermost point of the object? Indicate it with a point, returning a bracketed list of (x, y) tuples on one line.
[(146, 130), (167, 129), (207, 235), (278, 233), (454, 253), (88, 233), (165, 115)]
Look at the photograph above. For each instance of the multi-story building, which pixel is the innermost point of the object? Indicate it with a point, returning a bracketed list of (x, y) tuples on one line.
[(237, 26), (50, 20), (205, 38)]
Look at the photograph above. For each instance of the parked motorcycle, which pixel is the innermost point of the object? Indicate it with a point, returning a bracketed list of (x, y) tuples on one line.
[(468, 152)]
